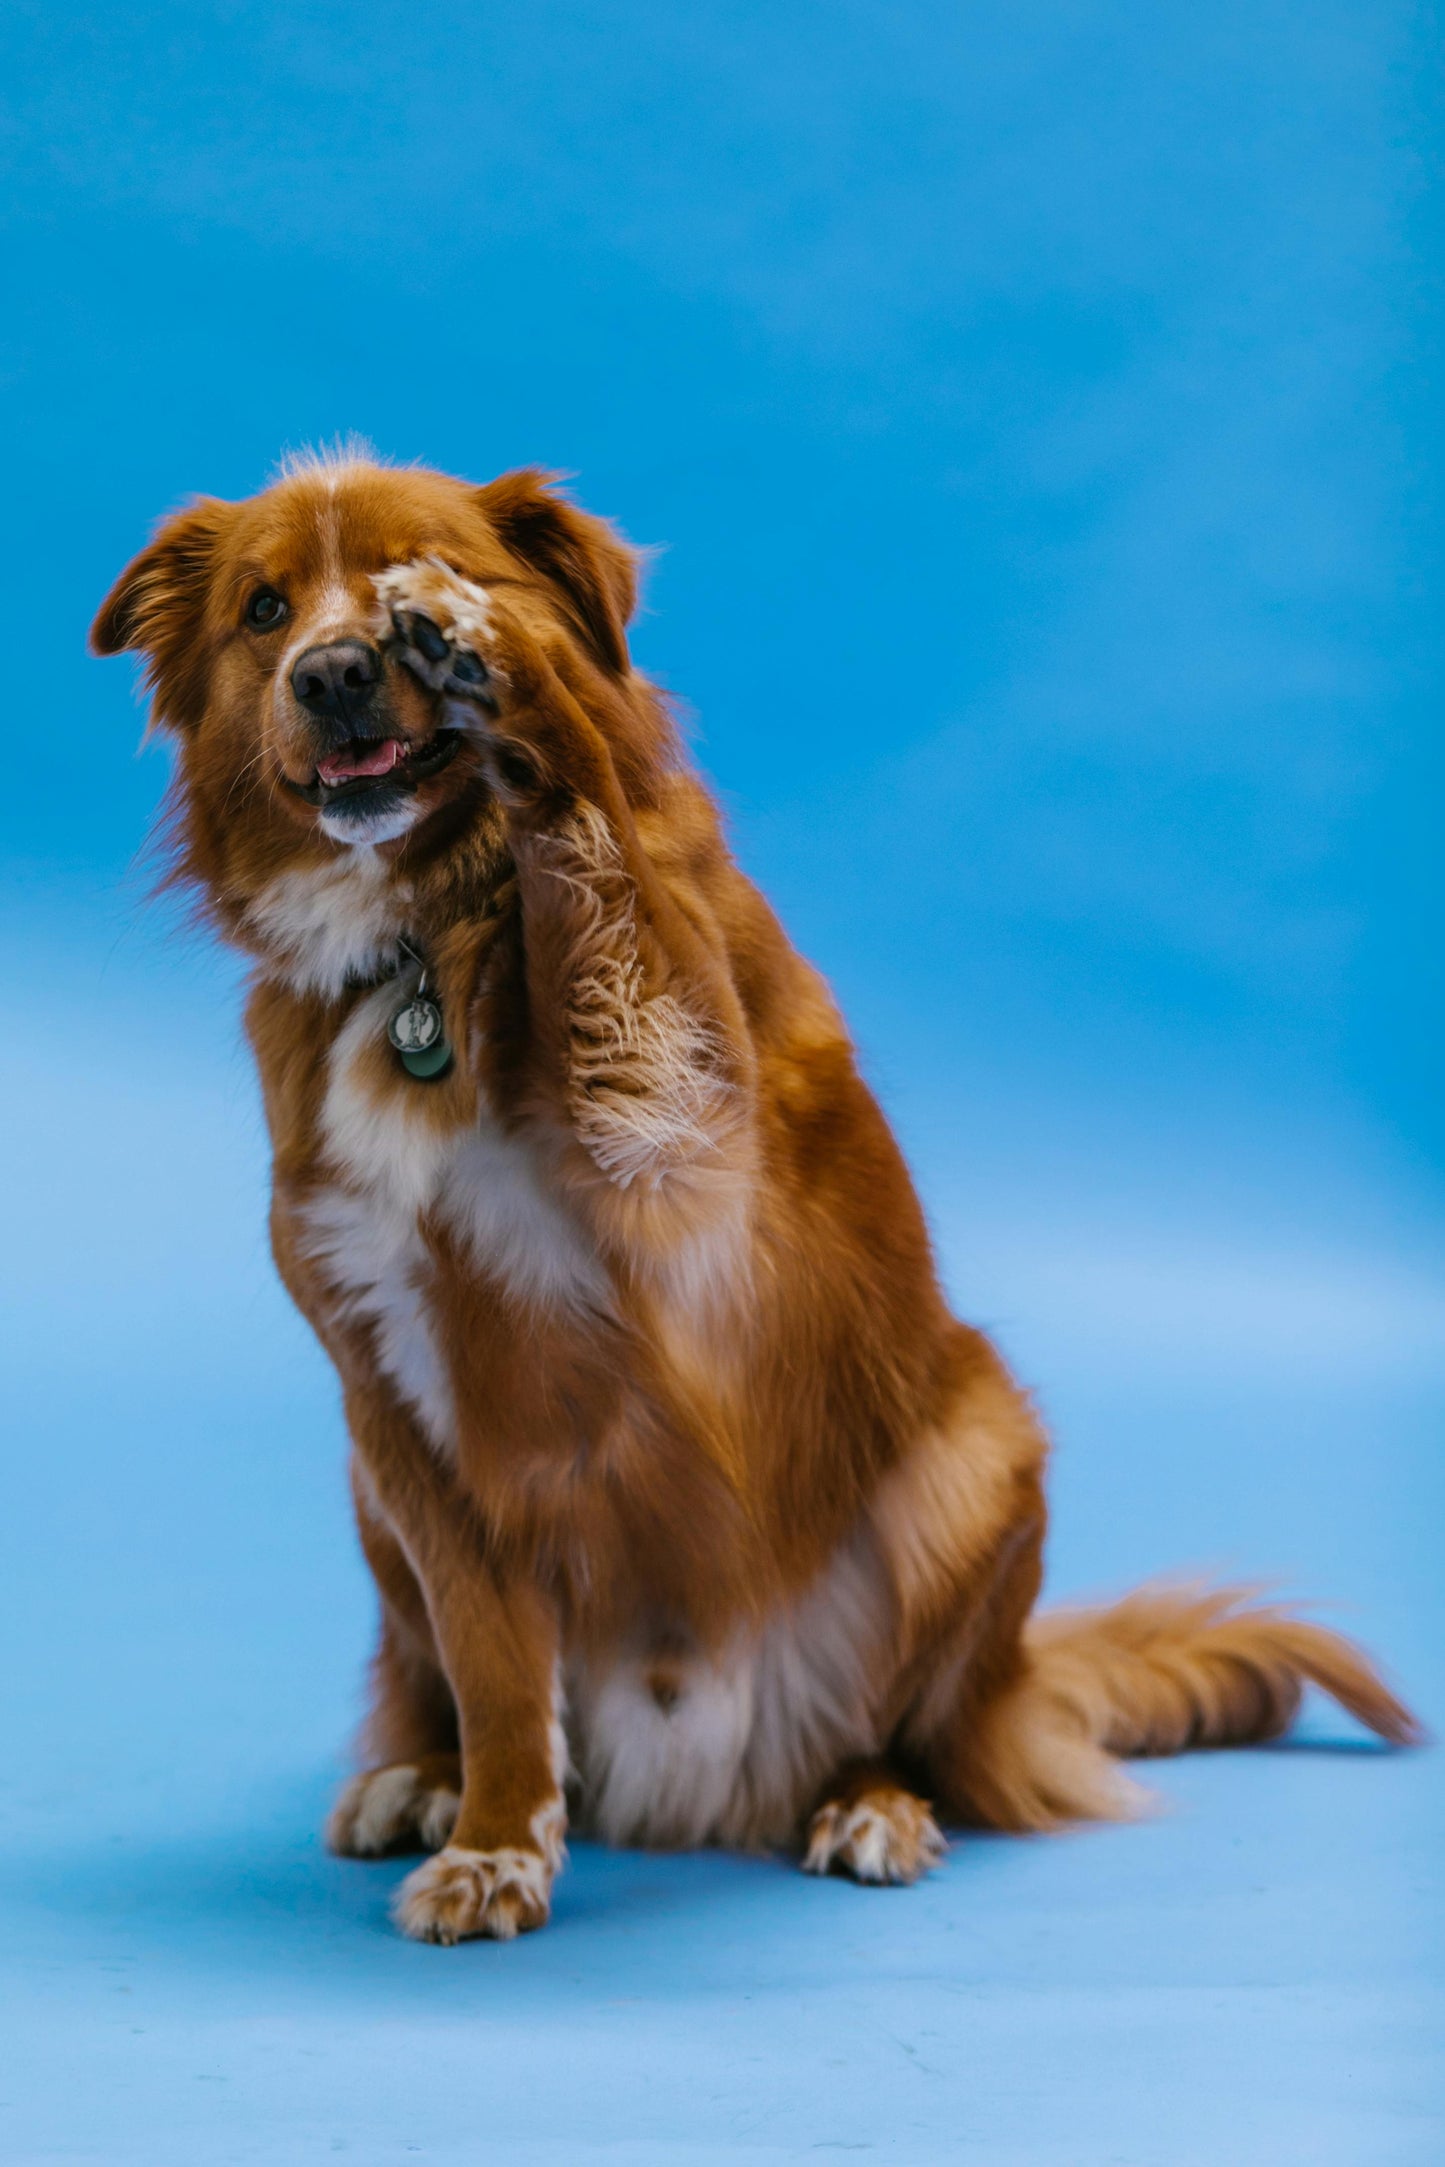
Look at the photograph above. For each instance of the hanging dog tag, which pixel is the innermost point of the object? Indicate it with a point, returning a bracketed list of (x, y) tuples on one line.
[(417, 1034)]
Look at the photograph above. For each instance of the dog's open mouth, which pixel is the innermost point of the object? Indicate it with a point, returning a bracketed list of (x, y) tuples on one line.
[(367, 765)]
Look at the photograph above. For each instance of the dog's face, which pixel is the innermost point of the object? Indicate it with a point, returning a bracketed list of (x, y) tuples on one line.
[(300, 730)]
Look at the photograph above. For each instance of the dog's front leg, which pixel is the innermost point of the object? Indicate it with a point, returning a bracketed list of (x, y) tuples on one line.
[(496, 1633), (639, 1040)]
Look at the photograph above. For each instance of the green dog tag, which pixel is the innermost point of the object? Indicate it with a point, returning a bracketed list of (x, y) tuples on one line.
[(428, 1061)]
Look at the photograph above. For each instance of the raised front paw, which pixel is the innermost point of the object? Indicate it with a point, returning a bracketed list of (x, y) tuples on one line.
[(460, 1894), (886, 1835), (411, 1805), (454, 638), (443, 628)]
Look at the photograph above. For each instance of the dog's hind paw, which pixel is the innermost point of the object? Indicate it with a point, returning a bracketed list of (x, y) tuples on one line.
[(411, 1805), (886, 1835)]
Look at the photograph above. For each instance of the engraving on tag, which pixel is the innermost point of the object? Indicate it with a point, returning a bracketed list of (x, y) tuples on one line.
[(416, 1027)]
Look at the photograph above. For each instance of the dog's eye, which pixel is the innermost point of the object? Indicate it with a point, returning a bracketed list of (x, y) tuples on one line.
[(265, 609)]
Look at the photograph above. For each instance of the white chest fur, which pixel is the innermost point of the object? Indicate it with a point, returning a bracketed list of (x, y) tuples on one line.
[(736, 1746), (323, 925), (393, 1167)]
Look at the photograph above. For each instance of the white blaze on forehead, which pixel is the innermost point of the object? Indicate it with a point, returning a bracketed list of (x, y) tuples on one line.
[(336, 613), (335, 609)]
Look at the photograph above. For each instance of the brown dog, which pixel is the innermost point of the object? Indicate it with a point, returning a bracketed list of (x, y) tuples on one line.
[(683, 1491)]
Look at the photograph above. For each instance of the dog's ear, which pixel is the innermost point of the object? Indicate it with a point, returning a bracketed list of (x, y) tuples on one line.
[(156, 607), (589, 564)]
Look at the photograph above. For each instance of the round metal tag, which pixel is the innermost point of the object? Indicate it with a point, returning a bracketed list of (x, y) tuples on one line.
[(417, 1027)]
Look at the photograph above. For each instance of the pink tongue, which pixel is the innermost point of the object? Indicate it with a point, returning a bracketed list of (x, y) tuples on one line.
[(344, 767)]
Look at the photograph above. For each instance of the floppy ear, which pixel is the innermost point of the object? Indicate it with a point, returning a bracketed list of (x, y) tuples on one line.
[(156, 604), (586, 560)]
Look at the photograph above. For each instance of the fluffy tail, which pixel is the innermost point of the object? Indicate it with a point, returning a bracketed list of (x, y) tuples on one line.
[(1165, 1669)]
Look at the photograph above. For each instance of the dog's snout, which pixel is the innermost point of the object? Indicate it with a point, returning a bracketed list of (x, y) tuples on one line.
[(337, 679)]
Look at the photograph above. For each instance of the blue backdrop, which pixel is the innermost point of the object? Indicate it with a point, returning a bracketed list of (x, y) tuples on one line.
[(1029, 403)]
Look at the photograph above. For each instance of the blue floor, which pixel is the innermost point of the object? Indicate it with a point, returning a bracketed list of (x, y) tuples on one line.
[(1250, 1980)]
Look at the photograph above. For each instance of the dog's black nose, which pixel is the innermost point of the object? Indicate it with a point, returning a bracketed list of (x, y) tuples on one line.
[(336, 680)]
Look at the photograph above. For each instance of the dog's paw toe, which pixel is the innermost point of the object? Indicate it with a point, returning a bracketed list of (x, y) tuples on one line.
[(461, 1894), (441, 626), (885, 1836), (387, 1809)]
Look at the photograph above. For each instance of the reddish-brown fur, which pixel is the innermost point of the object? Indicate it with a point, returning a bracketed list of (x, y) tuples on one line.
[(665, 1441)]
